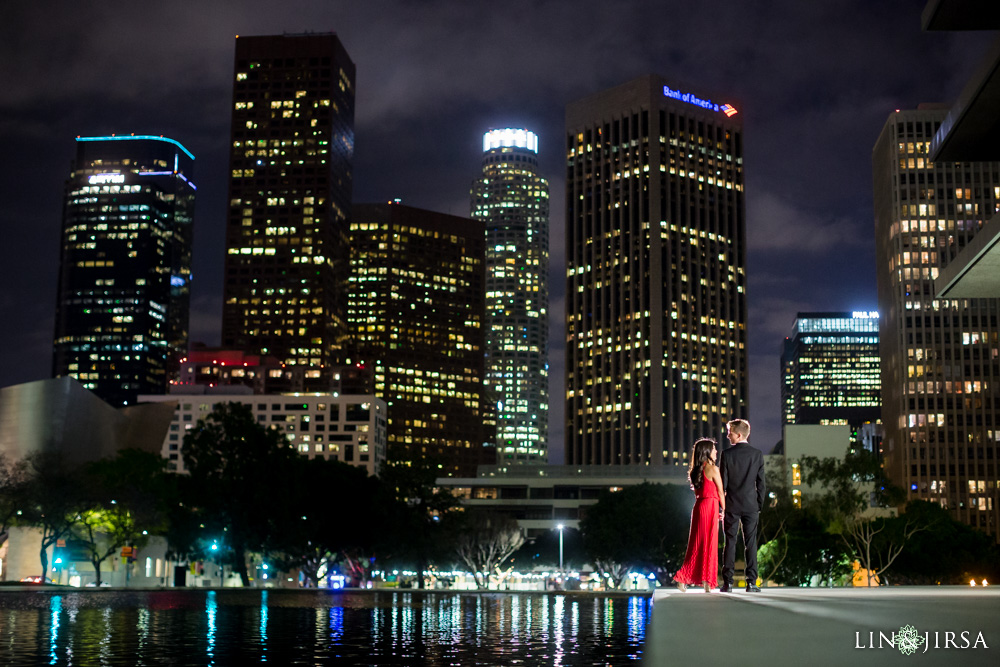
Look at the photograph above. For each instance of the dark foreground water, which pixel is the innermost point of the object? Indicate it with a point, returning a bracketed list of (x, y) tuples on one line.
[(302, 627)]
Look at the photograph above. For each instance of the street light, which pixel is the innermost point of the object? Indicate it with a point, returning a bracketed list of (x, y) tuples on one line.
[(560, 527)]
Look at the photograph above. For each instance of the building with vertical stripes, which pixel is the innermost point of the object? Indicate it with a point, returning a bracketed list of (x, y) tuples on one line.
[(830, 370), (512, 200), (656, 286), (416, 311), (290, 186), (125, 270), (940, 356)]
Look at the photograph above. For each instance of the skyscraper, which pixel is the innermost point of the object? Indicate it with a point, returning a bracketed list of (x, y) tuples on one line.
[(416, 318), (289, 198), (125, 269), (940, 360), (656, 286), (512, 200), (830, 370)]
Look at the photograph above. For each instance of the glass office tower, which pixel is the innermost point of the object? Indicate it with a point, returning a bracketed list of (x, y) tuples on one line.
[(289, 198), (830, 370), (940, 360), (512, 200), (656, 285), (125, 269)]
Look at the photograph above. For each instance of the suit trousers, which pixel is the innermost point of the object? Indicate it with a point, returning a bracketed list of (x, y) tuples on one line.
[(731, 525)]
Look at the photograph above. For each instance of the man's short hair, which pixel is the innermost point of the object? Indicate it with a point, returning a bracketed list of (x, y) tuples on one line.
[(739, 427)]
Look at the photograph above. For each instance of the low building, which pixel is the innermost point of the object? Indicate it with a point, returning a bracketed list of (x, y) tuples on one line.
[(145, 567), (350, 428), (62, 417), (542, 497)]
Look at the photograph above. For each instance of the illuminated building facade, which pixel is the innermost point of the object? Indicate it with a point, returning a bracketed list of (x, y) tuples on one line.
[(830, 370), (940, 357), (289, 197), (220, 367), (125, 267), (416, 310), (656, 285), (346, 428), (512, 200)]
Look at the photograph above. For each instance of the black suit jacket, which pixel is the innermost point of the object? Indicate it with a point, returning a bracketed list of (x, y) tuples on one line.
[(742, 469)]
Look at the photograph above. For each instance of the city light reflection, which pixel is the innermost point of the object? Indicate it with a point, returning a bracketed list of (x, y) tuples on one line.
[(559, 634), (55, 609), (263, 626), (217, 627), (211, 610), (336, 623)]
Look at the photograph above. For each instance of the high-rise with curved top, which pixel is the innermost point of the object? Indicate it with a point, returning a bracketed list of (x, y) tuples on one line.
[(513, 202), (125, 271)]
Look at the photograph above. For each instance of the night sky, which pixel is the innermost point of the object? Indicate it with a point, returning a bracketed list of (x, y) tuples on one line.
[(814, 82)]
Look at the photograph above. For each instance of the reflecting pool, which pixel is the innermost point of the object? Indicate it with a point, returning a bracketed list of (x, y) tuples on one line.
[(310, 627)]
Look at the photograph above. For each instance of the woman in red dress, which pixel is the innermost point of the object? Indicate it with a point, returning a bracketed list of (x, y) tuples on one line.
[(701, 563)]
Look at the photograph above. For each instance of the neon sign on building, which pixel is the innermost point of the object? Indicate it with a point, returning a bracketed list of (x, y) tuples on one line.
[(99, 179), (690, 98)]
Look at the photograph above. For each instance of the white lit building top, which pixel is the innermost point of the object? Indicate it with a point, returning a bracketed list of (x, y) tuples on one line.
[(510, 138)]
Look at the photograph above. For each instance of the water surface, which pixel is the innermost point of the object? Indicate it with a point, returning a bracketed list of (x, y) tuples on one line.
[(310, 627)]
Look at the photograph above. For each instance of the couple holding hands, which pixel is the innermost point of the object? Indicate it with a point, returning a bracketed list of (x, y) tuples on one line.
[(731, 490)]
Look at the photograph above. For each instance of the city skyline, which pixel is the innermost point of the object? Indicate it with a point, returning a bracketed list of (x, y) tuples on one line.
[(424, 101)]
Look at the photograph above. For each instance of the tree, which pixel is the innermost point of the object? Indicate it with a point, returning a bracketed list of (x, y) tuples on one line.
[(948, 552), (332, 511), (129, 496), (235, 465), (13, 490), (804, 550), (419, 533), (486, 540), (643, 526), (851, 486), (775, 521), (54, 500)]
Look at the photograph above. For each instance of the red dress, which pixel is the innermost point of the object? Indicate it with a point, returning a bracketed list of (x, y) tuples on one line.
[(701, 563)]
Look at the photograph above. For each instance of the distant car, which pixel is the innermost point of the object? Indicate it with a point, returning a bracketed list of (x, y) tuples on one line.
[(36, 579), (93, 584)]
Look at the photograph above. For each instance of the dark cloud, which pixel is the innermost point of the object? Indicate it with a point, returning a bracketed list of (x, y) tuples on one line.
[(815, 83)]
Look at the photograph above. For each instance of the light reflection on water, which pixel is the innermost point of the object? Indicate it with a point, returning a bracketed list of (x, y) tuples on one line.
[(237, 626)]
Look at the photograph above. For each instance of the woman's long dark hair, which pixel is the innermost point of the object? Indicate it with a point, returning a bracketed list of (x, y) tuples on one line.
[(701, 452)]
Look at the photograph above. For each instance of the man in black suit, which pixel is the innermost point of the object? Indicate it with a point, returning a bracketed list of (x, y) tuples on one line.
[(743, 483)]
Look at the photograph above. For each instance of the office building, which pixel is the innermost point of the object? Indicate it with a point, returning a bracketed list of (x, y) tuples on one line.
[(512, 200), (416, 310), (830, 370), (219, 367), (940, 361), (656, 286), (347, 428), (125, 266), (289, 198)]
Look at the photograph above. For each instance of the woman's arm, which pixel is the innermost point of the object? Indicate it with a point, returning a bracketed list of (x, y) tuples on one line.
[(712, 474)]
